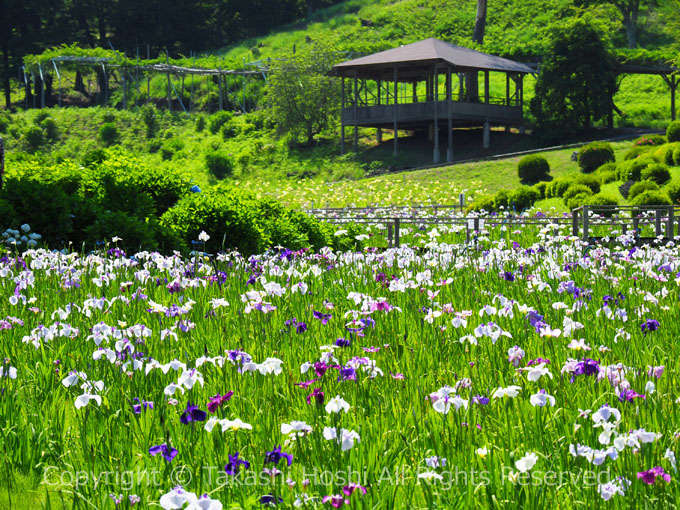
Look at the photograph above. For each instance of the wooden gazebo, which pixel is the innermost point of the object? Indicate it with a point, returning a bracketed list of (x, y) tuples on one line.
[(380, 97)]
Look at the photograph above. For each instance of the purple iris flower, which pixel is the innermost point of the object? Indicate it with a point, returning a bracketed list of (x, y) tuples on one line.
[(342, 342), (270, 499), (323, 317), (587, 367), (305, 384), (480, 400), (234, 465), (317, 394), (320, 368), (168, 452), (649, 325), (218, 400), (650, 476), (276, 455), (347, 374), (628, 395), (349, 489), (508, 276), (141, 404), (192, 413)]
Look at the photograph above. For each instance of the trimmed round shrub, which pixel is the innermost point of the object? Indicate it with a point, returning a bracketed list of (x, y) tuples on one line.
[(594, 155), (501, 199), (640, 187), (576, 189), (676, 155), (541, 188), (658, 173), (672, 189), (652, 197), (592, 181), (108, 133), (94, 157), (632, 170), (481, 203), (533, 168), (34, 137), (218, 119), (649, 140), (557, 187), (607, 167), (136, 234), (219, 164), (603, 199), (636, 152), (668, 151), (578, 200), (524, 197), (673, 131), (607, 177)]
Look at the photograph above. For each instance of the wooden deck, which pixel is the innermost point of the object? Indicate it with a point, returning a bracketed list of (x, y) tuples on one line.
[(423, 113)]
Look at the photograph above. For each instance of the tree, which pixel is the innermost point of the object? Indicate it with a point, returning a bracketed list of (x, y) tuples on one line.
[(472, 83), (576, 83), (629, 10), (303, 100)]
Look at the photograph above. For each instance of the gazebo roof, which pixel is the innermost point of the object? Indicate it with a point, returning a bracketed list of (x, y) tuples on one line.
[(428, 52)]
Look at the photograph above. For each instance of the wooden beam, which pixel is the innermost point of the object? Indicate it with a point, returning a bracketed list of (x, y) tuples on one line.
[(435, 82), (396, 104), (487, 95), (672, 81), (356, 100), (342, 118), (449, 99)]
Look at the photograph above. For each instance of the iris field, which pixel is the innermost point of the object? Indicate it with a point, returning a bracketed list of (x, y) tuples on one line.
[(519, 371)]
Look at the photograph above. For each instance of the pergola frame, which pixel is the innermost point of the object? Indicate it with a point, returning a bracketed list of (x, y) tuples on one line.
[(437, 65)]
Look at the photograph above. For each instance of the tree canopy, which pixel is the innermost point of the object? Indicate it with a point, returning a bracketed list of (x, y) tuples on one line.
[(577, 80)]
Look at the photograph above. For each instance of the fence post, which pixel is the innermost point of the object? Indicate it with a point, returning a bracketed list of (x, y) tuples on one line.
[(389, 235), (585, 223), (574, 222), (657, 222), (467, 231), (670, 230), (396, 232), (636, 226)]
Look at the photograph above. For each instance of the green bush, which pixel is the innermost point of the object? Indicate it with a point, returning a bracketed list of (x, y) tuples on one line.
[(533, 168), (148, 114), (603, 199), (632, 170), (652, 197), (578, 200), (239, 220), (649, 140), (574, 190), (108, 133), (219, 164), (672, 189), (557, 187), (136, 234), (640, 187), (501, 199), (228, 130), (676, 156), (636, 152), (218, 119), (51, 128), (40, 115), (94, 157), (594, 155), (607, 176), (524, 197), (658, 173), (8, 216), (592, 181), (541, 188), (200, 123), (668, 151), (481, 203), (673, 132), (34, 137)]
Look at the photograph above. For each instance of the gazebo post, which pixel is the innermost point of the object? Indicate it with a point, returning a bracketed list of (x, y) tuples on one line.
[(378, 133), (435, 91), (486, 135), (396, 104), (356, 127), (449, 87), (487, 95), (520, 92), (342, 117)]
